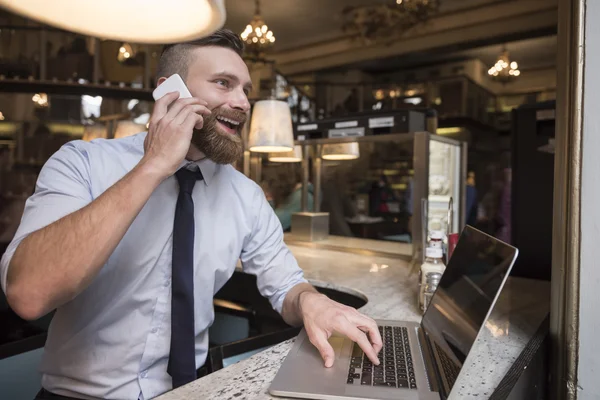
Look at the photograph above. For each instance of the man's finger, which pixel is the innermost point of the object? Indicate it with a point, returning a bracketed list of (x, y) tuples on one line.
[(192, 121), (190, 109), (180, 106), (369, 326), (358, 336), (161, 106), (319, 339)]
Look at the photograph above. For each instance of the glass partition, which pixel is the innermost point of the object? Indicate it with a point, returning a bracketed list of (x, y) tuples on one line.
[(374, 187), (364, 186)]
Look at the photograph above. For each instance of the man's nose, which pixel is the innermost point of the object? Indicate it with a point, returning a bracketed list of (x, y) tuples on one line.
[(240, 102)]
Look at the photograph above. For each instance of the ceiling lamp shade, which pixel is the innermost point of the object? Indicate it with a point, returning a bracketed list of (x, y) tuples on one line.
[(271, 127), (149, 21), (341, 151), (287, 157)]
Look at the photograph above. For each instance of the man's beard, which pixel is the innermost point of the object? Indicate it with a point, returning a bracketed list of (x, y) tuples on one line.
[(216, 144)]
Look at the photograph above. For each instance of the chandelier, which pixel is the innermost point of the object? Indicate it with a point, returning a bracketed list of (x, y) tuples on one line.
[(504, 70), (384, 22), (257, 36)]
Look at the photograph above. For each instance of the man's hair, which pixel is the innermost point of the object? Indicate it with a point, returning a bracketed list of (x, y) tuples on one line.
[(175, 58)]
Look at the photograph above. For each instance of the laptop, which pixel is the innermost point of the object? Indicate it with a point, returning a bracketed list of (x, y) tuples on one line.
[(418, 360)]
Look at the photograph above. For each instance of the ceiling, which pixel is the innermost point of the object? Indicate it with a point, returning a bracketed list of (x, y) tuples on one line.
[(302, 22), (533, 53)]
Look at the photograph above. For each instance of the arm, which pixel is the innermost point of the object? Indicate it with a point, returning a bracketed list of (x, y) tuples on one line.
[(322, 317), (51, 264), (281, 280), (54, 264)]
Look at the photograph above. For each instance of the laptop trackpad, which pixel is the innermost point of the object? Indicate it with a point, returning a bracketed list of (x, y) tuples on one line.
[(309, 349)]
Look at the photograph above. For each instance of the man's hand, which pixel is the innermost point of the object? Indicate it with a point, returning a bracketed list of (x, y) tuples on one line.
[(170, 131), (323, 316)]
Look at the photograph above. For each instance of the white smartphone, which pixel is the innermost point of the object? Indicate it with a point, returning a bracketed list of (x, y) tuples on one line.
[(174, 83)]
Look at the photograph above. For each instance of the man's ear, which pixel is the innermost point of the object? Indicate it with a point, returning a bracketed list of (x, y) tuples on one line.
[(160, 80)]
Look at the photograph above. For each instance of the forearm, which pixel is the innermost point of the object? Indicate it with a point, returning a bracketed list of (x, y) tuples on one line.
[(292, 304), (54, 264)]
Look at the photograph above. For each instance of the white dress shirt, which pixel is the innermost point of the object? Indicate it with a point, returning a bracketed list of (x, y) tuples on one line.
[(112, 341)]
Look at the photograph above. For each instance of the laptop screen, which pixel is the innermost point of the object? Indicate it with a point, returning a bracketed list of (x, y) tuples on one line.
[(464, 297)]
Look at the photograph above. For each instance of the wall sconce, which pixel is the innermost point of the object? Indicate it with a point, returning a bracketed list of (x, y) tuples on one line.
[(287, 157), (126, 52), (127, 21), (271, 127), (341, 151)]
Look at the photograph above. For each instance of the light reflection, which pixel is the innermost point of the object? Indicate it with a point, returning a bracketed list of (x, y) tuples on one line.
[(376, 267), (496, 330)]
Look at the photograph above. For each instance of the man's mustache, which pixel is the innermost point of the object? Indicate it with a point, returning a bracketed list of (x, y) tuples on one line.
[(235, 115)]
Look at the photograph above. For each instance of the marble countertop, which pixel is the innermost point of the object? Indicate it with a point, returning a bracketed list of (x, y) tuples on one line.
[(391, 293), (384, 248)]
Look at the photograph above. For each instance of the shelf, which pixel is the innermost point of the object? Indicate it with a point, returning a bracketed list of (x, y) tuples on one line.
[(74, 88)]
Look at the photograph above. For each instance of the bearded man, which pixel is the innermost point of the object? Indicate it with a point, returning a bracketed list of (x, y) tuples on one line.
[(129, 239)]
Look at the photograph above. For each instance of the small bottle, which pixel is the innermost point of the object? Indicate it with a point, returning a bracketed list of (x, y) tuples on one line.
[(436, 239), (433, 264), (432, 281)]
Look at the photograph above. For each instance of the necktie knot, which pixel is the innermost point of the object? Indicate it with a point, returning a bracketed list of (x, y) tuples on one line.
[(187, 179)]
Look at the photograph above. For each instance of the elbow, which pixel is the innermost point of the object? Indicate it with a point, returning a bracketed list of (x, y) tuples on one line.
[(23, 299), (23, 304)]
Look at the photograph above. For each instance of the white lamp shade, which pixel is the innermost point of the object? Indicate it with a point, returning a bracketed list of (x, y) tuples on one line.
[(91, 132), (341, 151), (289, 156), (271, 127), (128, 128), (140, 21)]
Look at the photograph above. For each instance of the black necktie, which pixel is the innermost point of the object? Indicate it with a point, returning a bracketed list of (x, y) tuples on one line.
[(182, 358)]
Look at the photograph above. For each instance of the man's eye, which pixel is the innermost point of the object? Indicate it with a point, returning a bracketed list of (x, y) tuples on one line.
[(222, 82)]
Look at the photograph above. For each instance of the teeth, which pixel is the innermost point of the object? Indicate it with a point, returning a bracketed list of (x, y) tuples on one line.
[(228, 120)]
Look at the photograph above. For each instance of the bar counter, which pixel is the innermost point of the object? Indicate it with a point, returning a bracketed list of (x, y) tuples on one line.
[(391, 293)]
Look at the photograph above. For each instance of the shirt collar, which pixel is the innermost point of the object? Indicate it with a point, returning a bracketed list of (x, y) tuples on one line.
[(207, 166)]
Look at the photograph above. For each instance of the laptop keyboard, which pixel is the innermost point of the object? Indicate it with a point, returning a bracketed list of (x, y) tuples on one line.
[(451, 370), (395, 369)]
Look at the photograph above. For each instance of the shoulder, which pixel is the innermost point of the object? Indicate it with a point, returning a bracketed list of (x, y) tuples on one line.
[(131, 145), (98, 163), (243, 185)]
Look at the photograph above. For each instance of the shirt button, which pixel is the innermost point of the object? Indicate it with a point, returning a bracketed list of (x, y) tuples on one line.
[(144, 374), (167, 282), (154, 330)]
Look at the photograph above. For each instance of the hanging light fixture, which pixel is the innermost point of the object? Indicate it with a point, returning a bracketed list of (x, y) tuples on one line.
[(287, 157), (341, 151), (504, 70), (271, 127), (386, 20), (131, 21), (257, 36)]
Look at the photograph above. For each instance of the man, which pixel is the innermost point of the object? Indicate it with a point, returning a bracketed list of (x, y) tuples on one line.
[(129, 240)]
